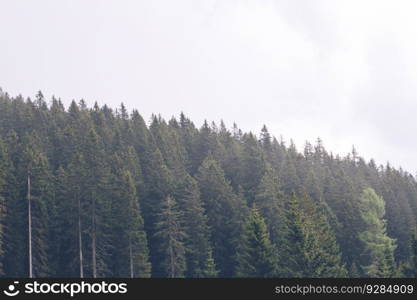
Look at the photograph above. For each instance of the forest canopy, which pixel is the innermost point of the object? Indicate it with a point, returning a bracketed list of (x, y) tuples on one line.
[(109, 195)]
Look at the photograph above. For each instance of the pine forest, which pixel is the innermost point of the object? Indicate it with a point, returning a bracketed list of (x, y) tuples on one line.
[(101, 192)]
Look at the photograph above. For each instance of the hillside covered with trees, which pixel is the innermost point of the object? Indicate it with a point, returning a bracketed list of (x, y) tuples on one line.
[(98, 192)]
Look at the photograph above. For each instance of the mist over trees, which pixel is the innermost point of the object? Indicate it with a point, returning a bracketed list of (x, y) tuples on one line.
[(111, 196)]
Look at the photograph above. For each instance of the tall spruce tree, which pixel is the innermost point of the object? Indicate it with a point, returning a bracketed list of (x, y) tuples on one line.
[(378, 246), (197, 242), (292, 255), (3, 209), (256, 255), (253, 166), (16, 235), (67, 213), (72, 196), (322, 250), (129, 243), (270, 204), (39, 200), (210, 269), (171, 240), (224, 211), (159, 184), (413, 263), (98, 205)]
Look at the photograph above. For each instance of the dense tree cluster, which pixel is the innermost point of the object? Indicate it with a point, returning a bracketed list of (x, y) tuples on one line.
[(97, 192)]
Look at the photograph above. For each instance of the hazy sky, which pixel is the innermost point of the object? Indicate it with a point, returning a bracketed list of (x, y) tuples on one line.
[(342, 70)]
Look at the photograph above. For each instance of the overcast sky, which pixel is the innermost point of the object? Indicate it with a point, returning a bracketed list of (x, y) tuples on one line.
[(342, 70)]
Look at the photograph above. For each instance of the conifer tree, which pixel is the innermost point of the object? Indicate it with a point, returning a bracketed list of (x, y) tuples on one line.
[(321, 248), (171, 237), (39, 198), (269, 202), (66, 224), (292, 255), (3, 162), (130, 249), (210, 269), (169, 144), (129, 160), (159, 184), (72, 196), (339, 193), (15, 260), (413, 264), (98, 204), (256, 255), (291, 181), (198, 248), (266, 140), (378, 246), (253, 166), (224, 211)]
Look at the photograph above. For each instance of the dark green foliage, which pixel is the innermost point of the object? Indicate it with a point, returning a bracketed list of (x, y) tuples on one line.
[(103, 184), (256, 256), (224, 210), (354, 271), (171, 240), (3, 169), (97, 205), (210, 270), (200, 262), (130, 248), (339, 193), (378, 246), (158, 180), (42, 206), (66, 223), (309, 248), (293, 257), (413, 264), (270, 203), (253, 166), (322, 250)]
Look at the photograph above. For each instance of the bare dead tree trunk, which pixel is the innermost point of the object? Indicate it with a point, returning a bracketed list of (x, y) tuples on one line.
[(171, 250), (94, 239), (131, 257), (172, 260), (30, 229), (80, 241)]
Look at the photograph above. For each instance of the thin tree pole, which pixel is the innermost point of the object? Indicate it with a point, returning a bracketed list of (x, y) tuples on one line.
[(30, 229), (172, 259), (94, 238), (130, 257), (171, 250), (80, 241)]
